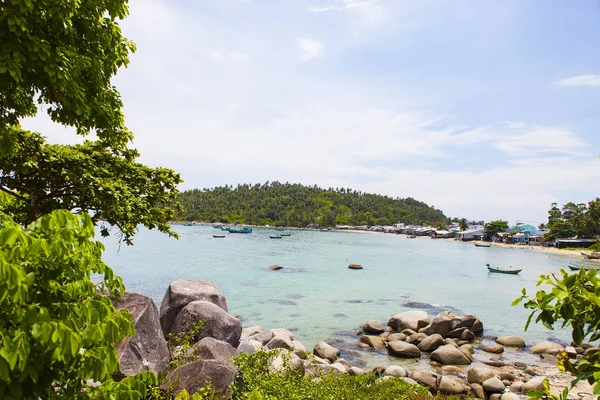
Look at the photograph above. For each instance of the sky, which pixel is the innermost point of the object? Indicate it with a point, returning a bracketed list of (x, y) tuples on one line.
[(484, 109)]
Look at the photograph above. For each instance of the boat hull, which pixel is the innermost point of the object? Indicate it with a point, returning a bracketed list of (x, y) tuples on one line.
[(504, 271), (482, 245)]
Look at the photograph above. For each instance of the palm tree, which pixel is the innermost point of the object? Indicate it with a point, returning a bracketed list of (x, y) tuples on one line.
[(462, 224)]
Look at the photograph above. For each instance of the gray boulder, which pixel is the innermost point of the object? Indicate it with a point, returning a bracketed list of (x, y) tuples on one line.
[(440, 325), (414, 320), (416, 338), (450, 355), (452, 370), (195, 375), (357, 371), (373, 341), (396, 336), (218, 323), (280, 342), (546, 348), (509, 396), (182, 292), (452, 385), (536, 383), (212, 349), (425, 378), (516, 387), (430, 343), (281, 362), (403, 349), (395, 370), (146, 350), (478, 391), (252, 330), (463, 321), (263, 337), (493, 385), (493, 348), (511, 341), (479, 374), (373, 326), (325, 351)]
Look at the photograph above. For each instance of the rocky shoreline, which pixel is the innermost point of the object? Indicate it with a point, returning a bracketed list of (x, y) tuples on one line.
[(461, 360)]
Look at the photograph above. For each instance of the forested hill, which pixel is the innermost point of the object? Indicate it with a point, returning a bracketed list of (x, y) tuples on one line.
[(297, 205)]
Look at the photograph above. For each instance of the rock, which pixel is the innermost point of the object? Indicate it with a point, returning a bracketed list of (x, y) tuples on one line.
[(520, 364), (530, 371), (467, 350), (430, 343), (355, 266), (416, 338), (182, 292), (452, 385), (449, 355), (338, 368), (373, 326), (477, 328), (536, 383), (285, 360), (403, 349), (410, 381), (414, 320), (363, 346), (280, 342), (463, 321), (516, 387), (495, 396), (263, 337), (281, 331), (407, 332), (356, 371), (590, 350), (503, 375), (396, 336), (275, 267), (299, 349), (428, 379), (509, 396), (439, 325), (395, 370), (345, 363), (467, 335), (217, 322), (315, 369), (324, 350), (146, 350), (194, 376), (493, 348), (248, 347), (478, 390), (479, 374), (212, 349), (546, 348), (452, 370), (456, 333), (493, 385), (495, 363), (253, 330), (452, 342), (373, 341), (384, 335), (511, 341)]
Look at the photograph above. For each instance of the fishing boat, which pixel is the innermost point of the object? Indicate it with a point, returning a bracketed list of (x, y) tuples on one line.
[(225, 228), (243, 230), (218, 236), (482, 244), (573, 267), (285, 234), (275, 236), (218, 226), (189, 224), (503, 271), (591, 256), (411, 237)]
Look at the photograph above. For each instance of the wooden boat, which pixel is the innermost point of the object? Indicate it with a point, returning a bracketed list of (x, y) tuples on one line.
[(285, 234), (483, 244), (218, 226), (503, 271), (225, 228), (218, 236), (573, 267), (591, 256), (411, 237), (275, 236), (189, 224), (243, 230)]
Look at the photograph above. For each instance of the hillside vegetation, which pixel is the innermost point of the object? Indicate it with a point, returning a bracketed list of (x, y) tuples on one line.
[(297, 205)]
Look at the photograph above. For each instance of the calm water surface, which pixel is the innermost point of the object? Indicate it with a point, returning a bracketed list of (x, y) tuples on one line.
[(318, 297)]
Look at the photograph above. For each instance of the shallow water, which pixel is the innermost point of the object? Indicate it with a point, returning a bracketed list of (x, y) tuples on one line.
[(317, 297)]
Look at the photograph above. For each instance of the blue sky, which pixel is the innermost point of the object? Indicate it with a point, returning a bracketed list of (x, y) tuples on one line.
[(485, 109)]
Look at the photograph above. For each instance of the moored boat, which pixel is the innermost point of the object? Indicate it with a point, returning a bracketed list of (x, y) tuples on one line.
[(243, 230), (483, 244), (275, 236), (217, 226), (591, 256), (411, 237), (503, 271), (574, 267), (218, 236)]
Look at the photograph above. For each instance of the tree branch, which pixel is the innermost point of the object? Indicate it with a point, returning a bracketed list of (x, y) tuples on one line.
[(18, 196)]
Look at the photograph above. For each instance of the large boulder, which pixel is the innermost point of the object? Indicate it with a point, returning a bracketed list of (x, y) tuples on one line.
[(511, 341), (325, 351), (280, 342), (452, 385), (373, 326), (196, 374), (479, 374), (403, 349), (414, 320), (546, 348), (450, 355), (425, 378), (146, 350), (430, 343), (440, 325), (218, 323), (182, 292), (373, 341), (395, 370), (263, 337), (536, 383), (212, 349), (493, 385)]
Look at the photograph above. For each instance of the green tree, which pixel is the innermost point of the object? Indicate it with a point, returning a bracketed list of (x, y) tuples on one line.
[(462, 224), (62, 54), (572, 300), (559, 229), (493, 227)]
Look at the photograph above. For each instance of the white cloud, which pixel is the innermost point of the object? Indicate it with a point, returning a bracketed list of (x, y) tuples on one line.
[(582, 80), (522, 140), (310, 49), (369, 13)]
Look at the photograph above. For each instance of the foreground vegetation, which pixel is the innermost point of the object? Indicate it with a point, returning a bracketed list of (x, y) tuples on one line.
[(285, 204)]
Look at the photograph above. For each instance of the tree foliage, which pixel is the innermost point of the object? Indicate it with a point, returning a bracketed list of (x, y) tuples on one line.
[(574, 220), (573, 300), (493, 227), (57, 329), (463, 225), (297, 205)]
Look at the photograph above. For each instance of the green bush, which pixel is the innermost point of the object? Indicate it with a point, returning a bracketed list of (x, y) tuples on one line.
[(57, 330)]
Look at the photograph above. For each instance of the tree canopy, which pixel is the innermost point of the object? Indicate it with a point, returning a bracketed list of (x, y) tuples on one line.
[(493, 227), (286, 204), (574, 220)]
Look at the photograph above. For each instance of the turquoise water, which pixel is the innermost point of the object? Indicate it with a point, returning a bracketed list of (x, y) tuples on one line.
[(318, 297)]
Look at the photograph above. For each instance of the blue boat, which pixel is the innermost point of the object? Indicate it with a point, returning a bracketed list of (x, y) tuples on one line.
[(243, 230)]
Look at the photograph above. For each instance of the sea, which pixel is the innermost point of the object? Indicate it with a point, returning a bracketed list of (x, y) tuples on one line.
[(317, 297)]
